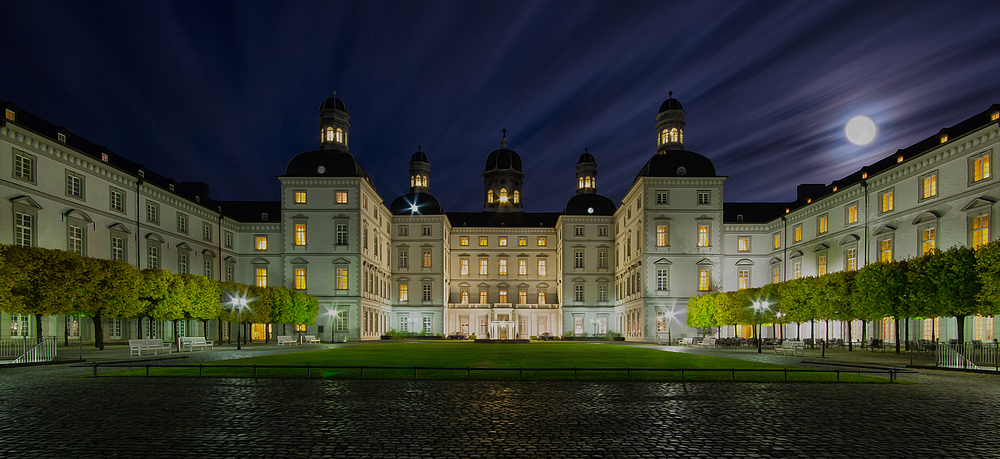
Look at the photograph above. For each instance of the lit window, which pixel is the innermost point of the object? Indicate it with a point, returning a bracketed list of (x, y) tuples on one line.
[(260, 242), (821, 264), (464, 240), (465, 296), (339, 135), (661, 235), (503, 269), (328, 134), (703, 280), (852, 213), (341, 278), (300, 234), (541, 297), (981, 168), (776, 274), (503, 195), (260, 277), (673, 135), (995, 116), (9, 114), (852, 259), (24, 166), (522, 267), (300, 278), (744, 276), (541, 268), (502, 296), (482, 297), (522, 296), (483, 241), (980, 231), (703, 235), (664, 136), (797, 231), (885, 201), (944, 138), (823, 223), (517, 197), (928, 186), (541, 242), (404, 294), (885, 250), (427, 258), (927, 240), (300, 197), (777, 240), (503, 242), (798, 269), (743, 243), (484, 266), (465, 266), (522, 241), (489, 196), (341, 197)]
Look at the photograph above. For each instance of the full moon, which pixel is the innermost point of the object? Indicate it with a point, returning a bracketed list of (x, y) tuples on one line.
[(861, 130)]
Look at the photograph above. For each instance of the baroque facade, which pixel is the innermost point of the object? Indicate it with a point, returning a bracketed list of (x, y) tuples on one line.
[(411, 266)]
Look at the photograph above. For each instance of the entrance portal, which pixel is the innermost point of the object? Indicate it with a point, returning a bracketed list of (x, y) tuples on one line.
[(503, 329)]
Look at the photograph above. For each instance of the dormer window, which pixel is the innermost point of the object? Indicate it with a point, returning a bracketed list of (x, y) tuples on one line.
[(995, 116), (944, 138), (61, 137), (104, 157), (10, 115)]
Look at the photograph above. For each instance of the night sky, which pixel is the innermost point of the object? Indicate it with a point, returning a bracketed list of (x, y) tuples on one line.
[(227, 93)]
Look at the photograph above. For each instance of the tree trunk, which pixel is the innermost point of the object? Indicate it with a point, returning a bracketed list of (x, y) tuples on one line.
[(850, 342), (98, 332), (864, 331), (961, 328), (66, 335), (229, 336), (896, 319), (38, 327), (812, 333), (798, 331), (827, 341), (907, 325), (177, 339)]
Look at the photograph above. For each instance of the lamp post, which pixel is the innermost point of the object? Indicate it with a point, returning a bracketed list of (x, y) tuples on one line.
[(238, 303), (759, 307)]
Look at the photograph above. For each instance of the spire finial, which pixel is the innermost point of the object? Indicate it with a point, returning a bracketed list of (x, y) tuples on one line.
[(586, 150), (418, 147), (334, 93), (503, 141), (669, 94)]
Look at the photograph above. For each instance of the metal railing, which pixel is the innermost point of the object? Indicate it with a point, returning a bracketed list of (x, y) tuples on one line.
[(683, 372), (968, 356), (27, 350)]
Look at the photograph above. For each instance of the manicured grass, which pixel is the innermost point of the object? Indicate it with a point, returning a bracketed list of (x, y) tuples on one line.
[(509, 357)]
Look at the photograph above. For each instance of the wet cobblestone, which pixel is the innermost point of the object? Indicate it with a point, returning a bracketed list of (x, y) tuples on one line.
[(48, 413)]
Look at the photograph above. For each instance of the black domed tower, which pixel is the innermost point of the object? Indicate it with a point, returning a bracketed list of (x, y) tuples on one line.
[(332, 159), (670, 125), (587, 201), (503, 179), (671, 159), (419, 201), (334, 124)]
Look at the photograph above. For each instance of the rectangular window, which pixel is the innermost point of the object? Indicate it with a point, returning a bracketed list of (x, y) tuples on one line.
[(115, 328), (229, 272), (522, 296), (777, 240), (465, 296), (300, 234), (229, 239), (928, 186), (425, 230), (851, 214), (484, 267), (404, 230), (503, 269), (427, 258), (341, 234), (927, 240), (300, 197), (821, 264), (522, 267), (578, 293), (578, 259), (776, 274), (662, 197), (153, 257), (341, 278), (522, 241), (743, 243), (404, 259), (602, 293), (885, 250), (980, 167), (260, 242), (76, 239), (182, 263), (260, 277), (744, 277), (341, 197), (602, 259), (206, 232), (823, 224), (980, 231), (797, 233), (483, 241), (74, 185), (851, 259), (117, 248), (465, 266), (798, 269), (704, 197), (578, 231), (208, 269), (703, 280), (503, 296), (24, 166), (541, 268), (541, 297), (703, 235), (404, 292), (662, 279), (885, 201), (9, 114), (300, 278), (152, 213), (602, 231), (503, 241), (482, 297), (182, 223), (541, 241), (117, 200), (427, 324), (661, 236), (464, 241)]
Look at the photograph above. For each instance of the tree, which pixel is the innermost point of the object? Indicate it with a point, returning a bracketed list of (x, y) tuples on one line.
[(883, 290), (41, 283), (959, 286), (988, 269), (154, 289), (202, 299), (112, 290)]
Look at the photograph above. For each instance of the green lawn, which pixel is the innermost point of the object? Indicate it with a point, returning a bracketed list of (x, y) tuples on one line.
[(511, 357)]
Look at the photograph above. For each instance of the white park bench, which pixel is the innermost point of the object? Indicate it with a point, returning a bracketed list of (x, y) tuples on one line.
[(136, 346), (790, 347), (285, 339), (708, 343), (310, 339), (190, 343)]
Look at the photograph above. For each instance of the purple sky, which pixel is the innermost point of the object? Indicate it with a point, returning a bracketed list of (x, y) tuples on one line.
[(228, 93)]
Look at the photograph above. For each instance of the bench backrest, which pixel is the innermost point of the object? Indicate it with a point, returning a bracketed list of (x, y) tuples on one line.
[(193, 339), (285, 338), (309, 337)]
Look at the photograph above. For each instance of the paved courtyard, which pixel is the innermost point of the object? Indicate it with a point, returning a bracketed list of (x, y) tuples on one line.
[(48, 412)]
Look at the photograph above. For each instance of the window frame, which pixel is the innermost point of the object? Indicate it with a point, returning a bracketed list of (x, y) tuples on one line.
[(740, 246), (851, 213), (32, 166), (987, 155), (922, 186), (296, 194), (823, 224), (887, 201), (81, 194)]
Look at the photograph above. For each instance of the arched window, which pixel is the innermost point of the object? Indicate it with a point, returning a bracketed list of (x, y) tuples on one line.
[(682, 135), (673, 135), (664, 137), (340, 135), (503, 195), (593, 183), (517, 196), (586, 183), (412, 181), (580, 185), (329, 135), (426, 182), (489, 196)]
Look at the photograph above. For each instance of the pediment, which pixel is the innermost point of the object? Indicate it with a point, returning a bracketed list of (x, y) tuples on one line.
[(208, 253), (705, 262), (662, 261), (976, 203), (26, 201), (341, 261), (259, 261), (795, 254), (119, 228), (184, 246), (745, 262), (299, 261), (821, 248), (925, 217), (78, 214), (884, 229), (155, 237), (849, 239)]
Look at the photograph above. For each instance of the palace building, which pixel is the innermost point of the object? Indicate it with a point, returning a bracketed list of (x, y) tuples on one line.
[(411, 265)]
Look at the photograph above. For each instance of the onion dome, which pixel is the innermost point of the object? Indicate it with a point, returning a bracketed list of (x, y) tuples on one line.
[(589, 204), (416, 203)]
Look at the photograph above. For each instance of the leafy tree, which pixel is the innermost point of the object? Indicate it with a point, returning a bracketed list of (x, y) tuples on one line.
[(701, 311), (41, 282), (112, 290), (202, 299), (154, 291), (959, 286), (883, 290), (988, 268)]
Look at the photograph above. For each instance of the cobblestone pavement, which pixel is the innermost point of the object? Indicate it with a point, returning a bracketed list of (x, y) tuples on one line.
[(47, 412)]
